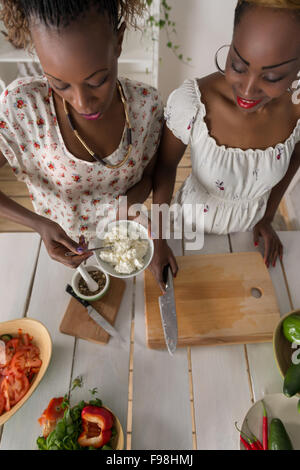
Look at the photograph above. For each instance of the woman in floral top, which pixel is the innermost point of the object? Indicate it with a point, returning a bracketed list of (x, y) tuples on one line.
[(243, 128), (78, 44)]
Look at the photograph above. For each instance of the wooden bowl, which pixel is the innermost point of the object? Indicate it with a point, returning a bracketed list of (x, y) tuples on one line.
[(42, 339), (118, 440), (282, 347)]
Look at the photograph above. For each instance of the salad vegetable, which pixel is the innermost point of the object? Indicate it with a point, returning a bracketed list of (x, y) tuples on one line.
[(20, 361), (67, 427), (96, 423)]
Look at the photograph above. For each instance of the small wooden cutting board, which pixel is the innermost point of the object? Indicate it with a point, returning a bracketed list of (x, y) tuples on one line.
[(76, 321), (215, 302)]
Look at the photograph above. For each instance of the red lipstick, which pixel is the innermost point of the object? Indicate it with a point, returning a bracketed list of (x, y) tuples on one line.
[(247, 104)]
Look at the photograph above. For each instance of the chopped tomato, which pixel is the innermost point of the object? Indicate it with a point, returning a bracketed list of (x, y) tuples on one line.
[(5, 393), (13, 389), (11, 348), (22, 362), (2, 403)]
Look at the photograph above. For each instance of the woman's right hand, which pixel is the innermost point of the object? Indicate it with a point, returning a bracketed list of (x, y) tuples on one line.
[(57, 243), (162, 256)]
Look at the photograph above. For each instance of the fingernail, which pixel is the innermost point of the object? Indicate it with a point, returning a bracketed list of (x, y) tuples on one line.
[(79, 249), (255, 244)]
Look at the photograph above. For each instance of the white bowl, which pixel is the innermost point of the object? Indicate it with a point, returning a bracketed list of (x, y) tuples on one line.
[(76, 278), (107, 267)]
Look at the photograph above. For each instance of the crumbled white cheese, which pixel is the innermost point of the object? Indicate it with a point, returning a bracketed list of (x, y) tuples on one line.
[(127, 250)]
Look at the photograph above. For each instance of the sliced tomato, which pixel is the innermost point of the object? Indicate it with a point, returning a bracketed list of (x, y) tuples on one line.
[(5, 394), (26, 339), (24, 360), (11, 348), (14, 388), (2, 403)]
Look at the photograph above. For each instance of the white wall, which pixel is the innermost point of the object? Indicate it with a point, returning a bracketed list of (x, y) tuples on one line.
[(202, 27)]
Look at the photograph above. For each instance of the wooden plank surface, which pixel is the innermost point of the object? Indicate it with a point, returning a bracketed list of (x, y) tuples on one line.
[(214, 301), (106, 366), (263, 370), (14, 188), (6, 174), (47, 304), (291, 265), (77, 322), (18, 257), (220, 382), (161, 417)]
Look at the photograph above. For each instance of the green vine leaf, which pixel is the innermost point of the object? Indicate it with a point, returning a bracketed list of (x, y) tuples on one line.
[(165, 23)]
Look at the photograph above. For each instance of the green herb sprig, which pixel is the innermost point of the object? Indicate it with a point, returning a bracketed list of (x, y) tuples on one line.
[(68, 429)]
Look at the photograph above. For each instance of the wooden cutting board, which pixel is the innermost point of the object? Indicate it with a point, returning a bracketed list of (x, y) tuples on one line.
[(215, 302), (76, 321)]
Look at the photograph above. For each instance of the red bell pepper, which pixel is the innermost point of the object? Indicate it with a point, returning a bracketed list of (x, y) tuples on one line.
[(96, 424)]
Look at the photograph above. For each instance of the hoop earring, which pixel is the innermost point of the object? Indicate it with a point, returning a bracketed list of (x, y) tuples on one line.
[(295, 86), (216, 59)]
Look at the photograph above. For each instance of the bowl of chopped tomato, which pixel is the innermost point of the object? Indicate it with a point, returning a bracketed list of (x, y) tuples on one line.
[(25, 353)]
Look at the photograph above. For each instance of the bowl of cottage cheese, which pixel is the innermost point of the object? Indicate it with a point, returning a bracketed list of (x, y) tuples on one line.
[(129, 249)]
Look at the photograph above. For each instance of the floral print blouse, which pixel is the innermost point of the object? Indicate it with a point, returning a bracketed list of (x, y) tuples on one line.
[(62, 187)]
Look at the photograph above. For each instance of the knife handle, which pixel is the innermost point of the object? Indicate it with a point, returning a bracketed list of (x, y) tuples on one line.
[(70, 291), (165, 274)]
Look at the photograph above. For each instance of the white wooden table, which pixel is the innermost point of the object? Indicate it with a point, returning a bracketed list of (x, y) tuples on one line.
[(189, 401)]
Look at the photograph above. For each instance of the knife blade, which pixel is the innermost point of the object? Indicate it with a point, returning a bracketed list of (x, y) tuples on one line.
[(168, 314), (95, 315)]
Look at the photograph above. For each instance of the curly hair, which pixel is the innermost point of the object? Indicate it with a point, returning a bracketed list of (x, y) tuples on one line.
[(289, 5), (17, 14)]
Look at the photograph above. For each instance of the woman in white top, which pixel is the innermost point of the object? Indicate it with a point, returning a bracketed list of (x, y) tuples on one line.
[(79, 136), (243, 127)]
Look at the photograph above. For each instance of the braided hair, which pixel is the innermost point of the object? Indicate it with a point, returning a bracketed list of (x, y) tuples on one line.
[(17, 14)]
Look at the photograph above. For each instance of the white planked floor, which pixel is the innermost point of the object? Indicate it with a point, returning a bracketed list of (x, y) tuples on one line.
[(193, 399)]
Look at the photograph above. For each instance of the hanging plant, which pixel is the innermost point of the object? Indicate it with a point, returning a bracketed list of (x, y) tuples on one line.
[(167, 24)]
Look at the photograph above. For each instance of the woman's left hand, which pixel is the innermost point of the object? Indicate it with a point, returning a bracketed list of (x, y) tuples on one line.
[(273, 245)]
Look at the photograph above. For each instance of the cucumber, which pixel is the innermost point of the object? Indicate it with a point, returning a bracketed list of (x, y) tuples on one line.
[(291, 328), (291, 383), (278, 437), (5, 338)]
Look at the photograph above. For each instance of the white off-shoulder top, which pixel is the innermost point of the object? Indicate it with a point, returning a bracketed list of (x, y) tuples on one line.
[(231, 186)]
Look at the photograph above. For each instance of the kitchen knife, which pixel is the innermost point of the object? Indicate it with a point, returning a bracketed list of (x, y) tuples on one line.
[(96, 316), (168, 311)]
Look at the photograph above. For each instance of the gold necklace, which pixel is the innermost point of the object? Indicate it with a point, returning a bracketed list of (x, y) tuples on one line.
[(128, 133)]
